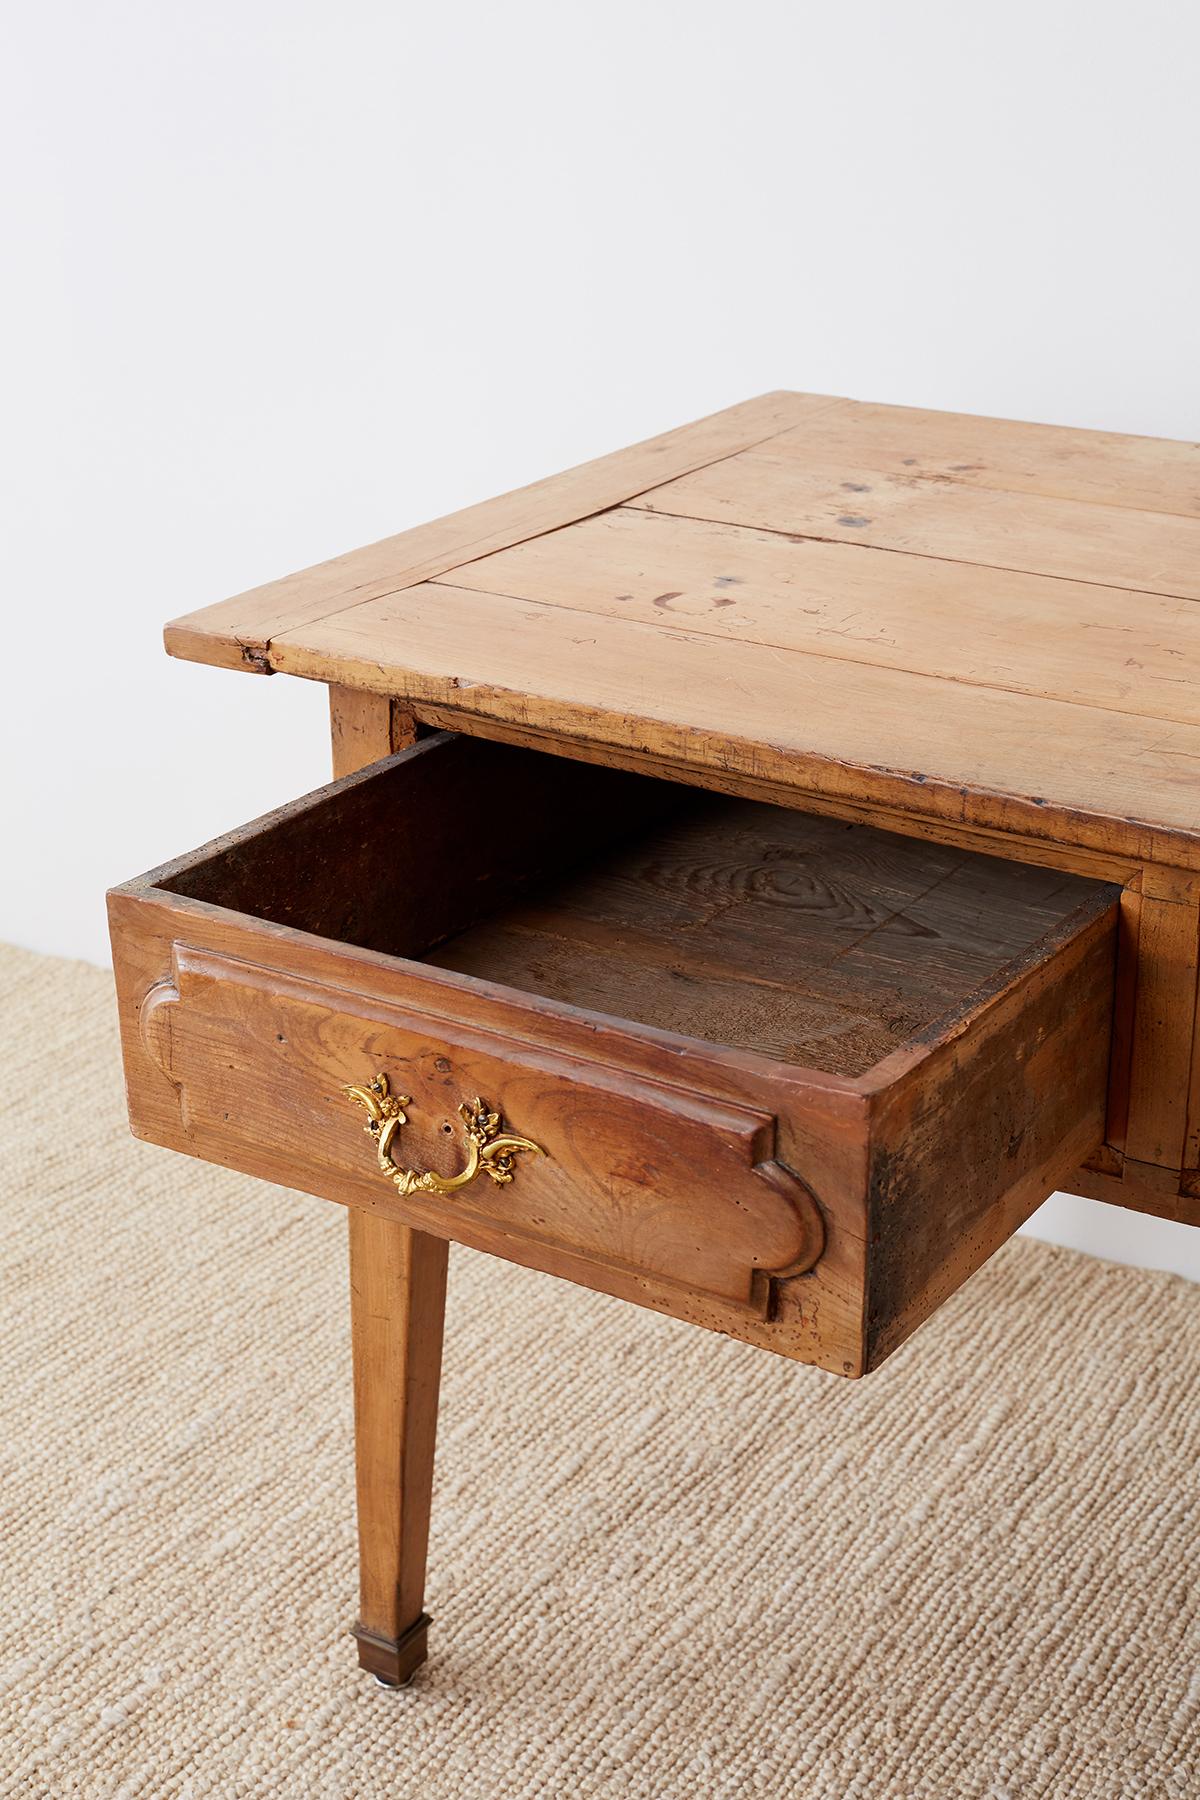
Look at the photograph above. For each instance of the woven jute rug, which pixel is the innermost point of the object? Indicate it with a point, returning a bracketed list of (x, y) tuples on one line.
[(662, 1564)]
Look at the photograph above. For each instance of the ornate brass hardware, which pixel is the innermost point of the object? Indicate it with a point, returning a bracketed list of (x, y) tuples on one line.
[(490, 1151)]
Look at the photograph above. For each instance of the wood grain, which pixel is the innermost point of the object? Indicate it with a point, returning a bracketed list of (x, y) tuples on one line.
[(1075, 776), (1106, 468), (1040, 852), (284, 1119), (661, 1149), (1165, 1011), (809, 940), (985, 627), (1019, 700), (946, 1129), (397, 1310), (364, 727), (1124, 1026), (1141, 1187), (398, 1293), (1039, 534), (400, 856), (640, 1179), (237, 633)]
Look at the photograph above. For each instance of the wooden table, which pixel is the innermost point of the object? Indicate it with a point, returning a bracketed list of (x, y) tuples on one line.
[(763, 864)]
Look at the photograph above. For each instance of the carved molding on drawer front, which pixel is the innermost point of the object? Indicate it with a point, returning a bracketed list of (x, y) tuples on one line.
[(788, 1185), (656, 1181), (155, 1014)]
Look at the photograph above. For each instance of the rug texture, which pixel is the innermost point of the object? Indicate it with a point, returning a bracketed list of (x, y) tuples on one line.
[(663, 1564)]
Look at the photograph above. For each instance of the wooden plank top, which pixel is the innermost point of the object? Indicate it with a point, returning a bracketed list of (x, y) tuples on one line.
[(975, 623)]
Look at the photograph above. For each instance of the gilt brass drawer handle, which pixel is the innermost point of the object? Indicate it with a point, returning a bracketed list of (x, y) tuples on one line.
[(490, 1151)]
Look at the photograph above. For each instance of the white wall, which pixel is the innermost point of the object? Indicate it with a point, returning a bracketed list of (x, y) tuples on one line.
[(283, 278)]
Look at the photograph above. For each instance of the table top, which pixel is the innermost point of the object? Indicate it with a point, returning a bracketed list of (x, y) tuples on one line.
[(975, 622)]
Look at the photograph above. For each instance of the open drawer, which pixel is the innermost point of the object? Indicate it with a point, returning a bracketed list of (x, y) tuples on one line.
[(783, 1076)]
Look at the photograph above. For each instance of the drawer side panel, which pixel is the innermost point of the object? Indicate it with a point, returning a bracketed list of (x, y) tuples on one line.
[(972, 1140)]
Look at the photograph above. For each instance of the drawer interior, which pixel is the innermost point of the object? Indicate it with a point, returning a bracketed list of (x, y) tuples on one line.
[(809, 940)]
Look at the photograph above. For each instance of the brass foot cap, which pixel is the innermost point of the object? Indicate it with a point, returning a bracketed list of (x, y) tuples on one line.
[(393, 1661)]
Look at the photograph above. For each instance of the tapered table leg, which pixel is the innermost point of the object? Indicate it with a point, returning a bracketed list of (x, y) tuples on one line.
[(397, 1306)]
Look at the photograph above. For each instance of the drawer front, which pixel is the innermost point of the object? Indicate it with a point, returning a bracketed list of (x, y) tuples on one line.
[(638, 1179)]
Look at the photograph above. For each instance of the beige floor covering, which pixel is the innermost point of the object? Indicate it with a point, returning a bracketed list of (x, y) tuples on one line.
[(662, 1564)]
